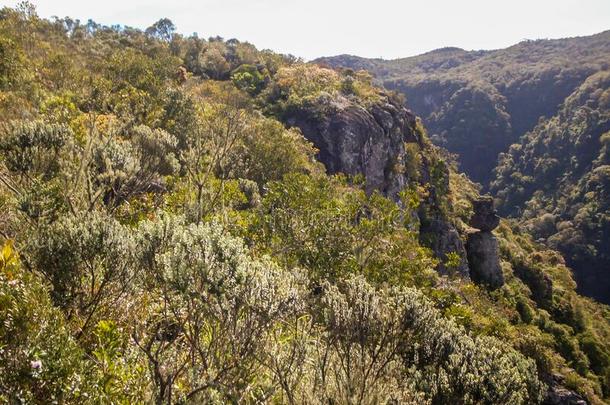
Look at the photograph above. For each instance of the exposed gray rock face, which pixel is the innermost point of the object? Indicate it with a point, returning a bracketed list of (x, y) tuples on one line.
[(436, 232), (353, 139), (482, 246), (562, 396), (443, 238), (484, 259)]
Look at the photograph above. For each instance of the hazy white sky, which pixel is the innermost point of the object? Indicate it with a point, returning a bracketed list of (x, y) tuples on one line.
[(372, 28)]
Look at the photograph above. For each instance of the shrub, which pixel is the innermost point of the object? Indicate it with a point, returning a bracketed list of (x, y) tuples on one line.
[(391, 345), (39, 360)]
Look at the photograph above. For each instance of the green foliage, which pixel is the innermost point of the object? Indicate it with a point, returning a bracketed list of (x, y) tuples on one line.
[(39, 359), (268, 151), (556, 180), (10, 63), (248, 78), (334, 232), (180, 244)]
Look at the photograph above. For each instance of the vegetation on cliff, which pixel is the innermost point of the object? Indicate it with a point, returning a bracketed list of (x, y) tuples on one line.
[(557, 179)]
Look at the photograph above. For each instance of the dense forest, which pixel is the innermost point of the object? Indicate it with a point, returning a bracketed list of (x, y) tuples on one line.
[(528, 123), (189, 220)]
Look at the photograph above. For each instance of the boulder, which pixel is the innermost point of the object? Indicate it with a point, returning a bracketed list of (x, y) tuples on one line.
[(485, 217)]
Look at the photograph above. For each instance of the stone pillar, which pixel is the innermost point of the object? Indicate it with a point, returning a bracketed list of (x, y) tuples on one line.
[(482, 246)]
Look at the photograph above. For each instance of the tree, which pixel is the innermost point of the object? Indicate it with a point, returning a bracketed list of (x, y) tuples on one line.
[(206, 155), (162, 29)]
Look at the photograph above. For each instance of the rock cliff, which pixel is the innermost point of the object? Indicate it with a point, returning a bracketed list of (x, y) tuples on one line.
[(356, 139), (371, 140)]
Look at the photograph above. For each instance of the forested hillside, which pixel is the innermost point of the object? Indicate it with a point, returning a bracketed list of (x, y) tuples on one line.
[(546, 98), (557, 179), (188, 220)]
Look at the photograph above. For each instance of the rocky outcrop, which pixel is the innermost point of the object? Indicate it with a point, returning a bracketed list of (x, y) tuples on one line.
[(354, 139), (442, 237), (482, 246), (484, 259), (484, 217), (557, 394), (436, 232)]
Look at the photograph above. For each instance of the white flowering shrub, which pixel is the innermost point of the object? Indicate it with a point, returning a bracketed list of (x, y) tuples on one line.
[(88, 261), (122, 167), (32, 166), (391, 345), (213, 309), (33, 148)]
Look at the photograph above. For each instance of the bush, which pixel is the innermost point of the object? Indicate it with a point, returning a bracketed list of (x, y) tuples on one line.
[(398, 348), (87, 260), (39, 360)]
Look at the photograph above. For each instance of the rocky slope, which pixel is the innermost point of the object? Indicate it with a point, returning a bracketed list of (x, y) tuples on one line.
[(379, 141), (354, 139)]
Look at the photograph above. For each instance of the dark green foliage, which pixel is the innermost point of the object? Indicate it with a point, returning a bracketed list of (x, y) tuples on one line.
[(556, 180), (249, 78), (539, 284), (597, 354)]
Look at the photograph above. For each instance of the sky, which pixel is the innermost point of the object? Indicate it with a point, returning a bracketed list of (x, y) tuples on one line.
[(374, 28)]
